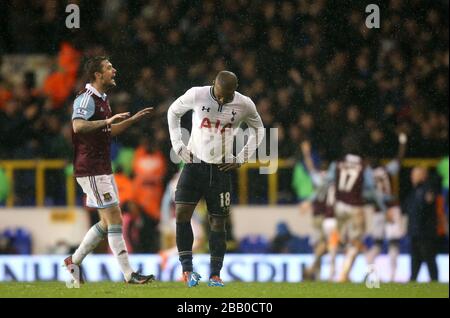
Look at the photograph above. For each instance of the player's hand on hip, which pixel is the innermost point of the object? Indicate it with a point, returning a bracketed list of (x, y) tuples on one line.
[(186, 155), (142, 113), (117, 118), (228, 166)]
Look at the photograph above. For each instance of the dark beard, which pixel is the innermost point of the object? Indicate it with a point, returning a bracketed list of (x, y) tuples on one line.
[(109, 86)]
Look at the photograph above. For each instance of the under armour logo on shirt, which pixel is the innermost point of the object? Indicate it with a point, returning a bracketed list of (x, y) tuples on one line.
[(204, 108), (101, 109)]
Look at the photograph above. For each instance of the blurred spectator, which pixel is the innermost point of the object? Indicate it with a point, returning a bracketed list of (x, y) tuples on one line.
[(5, 94), (254, 244), (139, 230), (443, 171), (124, 186), (420, 206), (149, 167), (17, 241), (302, 183), (284, 241), (4, 186), (59, 85), (6, 246)]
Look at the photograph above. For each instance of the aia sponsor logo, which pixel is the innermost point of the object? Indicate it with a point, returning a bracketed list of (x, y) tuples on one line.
[(206, 123)]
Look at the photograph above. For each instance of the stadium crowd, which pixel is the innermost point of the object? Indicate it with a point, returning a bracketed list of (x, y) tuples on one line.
[(313, 69)]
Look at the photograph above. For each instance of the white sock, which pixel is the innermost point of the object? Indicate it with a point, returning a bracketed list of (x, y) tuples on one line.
[(372, 254), (90, 241), (119, 249), (393, 255), (350, 256)]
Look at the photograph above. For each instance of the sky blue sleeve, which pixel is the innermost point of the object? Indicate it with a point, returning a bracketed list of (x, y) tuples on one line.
[(83, 107), (317, 179), (393, 167), (370, 192), (369, 180), (331, 174)]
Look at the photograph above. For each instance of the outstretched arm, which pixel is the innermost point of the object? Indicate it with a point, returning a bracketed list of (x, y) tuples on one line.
[(393, 167), (370, 191), (84, 109), (83, 126), (403, 140), (307, 157), (306, 151), (117, 129)]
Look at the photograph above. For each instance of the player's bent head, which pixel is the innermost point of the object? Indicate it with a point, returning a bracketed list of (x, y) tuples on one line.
[(99, 69), (225, 85)]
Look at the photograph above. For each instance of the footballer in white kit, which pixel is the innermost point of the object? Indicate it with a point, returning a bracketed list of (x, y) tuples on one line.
[(218, 112)]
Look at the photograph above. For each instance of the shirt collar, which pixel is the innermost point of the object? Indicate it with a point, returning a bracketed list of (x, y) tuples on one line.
[(95, 91), (211, 91)]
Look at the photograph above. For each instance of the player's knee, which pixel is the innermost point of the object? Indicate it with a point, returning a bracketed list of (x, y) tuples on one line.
[(184, 213), (112, 216), (103, 223), (114, 221), (217, 224), (182, 217)]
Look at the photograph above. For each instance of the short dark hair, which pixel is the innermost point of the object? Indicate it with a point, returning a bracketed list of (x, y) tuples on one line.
[(227, 80), (93, 65)]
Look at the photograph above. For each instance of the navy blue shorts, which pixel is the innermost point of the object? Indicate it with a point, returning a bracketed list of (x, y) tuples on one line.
[(204, 180)]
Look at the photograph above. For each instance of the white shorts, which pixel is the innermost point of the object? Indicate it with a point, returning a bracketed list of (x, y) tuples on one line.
[(378, 226), (344, 210), (351, 221), (329, 226), (101, 191), (395, 229)]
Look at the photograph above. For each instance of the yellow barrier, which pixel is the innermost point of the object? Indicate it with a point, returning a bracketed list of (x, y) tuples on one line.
[(40, 166), (273, 178)]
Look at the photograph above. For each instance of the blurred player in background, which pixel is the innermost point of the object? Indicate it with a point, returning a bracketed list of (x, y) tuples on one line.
[(218, 111), (387, 224), (168, 224), (354, 182), (443, 171), (325, 237), (93, 126), (420, 206)]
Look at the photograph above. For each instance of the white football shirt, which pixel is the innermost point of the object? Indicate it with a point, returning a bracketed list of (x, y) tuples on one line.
[(213, 126)]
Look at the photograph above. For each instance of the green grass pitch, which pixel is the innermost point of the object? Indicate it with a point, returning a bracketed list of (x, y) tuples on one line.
[(231, 290)]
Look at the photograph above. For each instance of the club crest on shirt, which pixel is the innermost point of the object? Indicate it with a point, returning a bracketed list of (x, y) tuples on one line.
[(234, 115), (107, 196)]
